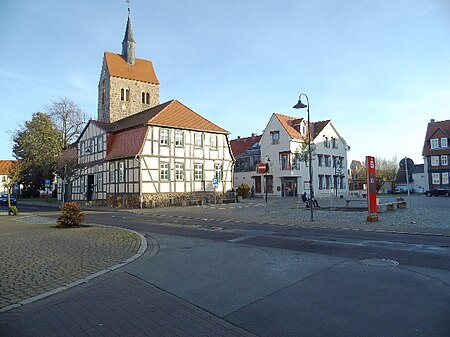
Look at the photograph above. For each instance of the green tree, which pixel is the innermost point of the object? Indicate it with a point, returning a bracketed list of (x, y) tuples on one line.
[(68, 118), (38, 145), (302, 152)]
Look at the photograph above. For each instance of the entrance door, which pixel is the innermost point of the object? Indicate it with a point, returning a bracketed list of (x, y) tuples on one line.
[(288, 187), (90, 187), (258, 184)]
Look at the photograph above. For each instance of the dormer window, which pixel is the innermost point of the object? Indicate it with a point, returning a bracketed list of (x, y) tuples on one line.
[(434, 142), (444, 142), (125, 94)]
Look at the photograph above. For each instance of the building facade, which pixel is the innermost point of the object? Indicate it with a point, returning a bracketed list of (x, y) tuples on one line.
[(140, 152), (436, 154), (282, 146), (5, 168), (247, 153)]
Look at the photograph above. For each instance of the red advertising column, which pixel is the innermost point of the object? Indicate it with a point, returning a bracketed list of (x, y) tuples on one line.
[(371, 189)]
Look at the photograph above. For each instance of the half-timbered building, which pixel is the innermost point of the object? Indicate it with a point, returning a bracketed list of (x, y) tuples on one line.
[(140, 152)]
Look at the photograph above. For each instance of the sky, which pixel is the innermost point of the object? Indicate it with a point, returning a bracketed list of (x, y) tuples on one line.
[(380, 70)]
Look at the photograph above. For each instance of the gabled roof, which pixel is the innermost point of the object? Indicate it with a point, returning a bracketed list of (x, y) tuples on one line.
[(141, 70), (290, 124), (172, 114), (5, 166), (126, 143), (432, 129), (240, 145)]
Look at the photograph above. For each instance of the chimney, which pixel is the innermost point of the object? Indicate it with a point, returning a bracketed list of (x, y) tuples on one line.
[(239, 137), (431, 121), (253, 135)]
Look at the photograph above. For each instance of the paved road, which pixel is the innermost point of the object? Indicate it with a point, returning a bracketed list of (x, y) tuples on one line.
[(236, 270)]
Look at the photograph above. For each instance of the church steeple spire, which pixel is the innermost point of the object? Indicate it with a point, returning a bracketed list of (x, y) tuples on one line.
[(128, 43)]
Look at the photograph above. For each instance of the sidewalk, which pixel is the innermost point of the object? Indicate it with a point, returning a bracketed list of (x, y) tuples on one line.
[(37, 258), (99, 299)]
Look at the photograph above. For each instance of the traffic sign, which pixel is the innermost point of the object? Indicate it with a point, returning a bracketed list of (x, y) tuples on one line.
[(215, 181), (262, 167)]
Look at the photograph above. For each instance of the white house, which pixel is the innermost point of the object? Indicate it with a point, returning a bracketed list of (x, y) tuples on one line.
[(281, 147)]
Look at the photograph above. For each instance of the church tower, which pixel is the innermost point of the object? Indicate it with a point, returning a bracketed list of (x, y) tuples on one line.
[(127, 85)]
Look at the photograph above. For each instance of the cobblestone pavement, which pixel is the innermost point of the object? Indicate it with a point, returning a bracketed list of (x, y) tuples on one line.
[(36, 257), (422, 215)]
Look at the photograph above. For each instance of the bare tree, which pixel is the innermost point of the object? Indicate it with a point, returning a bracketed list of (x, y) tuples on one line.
[(68, 118), (386, 171)]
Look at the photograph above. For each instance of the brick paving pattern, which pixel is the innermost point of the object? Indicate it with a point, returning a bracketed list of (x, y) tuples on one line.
[(36, 257), (423, 215), (116, 304)]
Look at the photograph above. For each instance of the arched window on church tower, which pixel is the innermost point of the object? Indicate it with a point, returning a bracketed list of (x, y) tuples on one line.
[(125, 94)]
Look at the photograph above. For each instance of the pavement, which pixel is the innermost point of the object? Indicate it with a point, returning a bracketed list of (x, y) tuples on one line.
[(185, 286)]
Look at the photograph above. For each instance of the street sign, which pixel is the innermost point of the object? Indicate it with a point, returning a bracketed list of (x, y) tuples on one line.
[(262, 167), (215, 182), (371, 185)]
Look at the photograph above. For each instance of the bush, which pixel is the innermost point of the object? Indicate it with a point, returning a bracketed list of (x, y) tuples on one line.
[(71, 214), (13, 210), (243, 190)]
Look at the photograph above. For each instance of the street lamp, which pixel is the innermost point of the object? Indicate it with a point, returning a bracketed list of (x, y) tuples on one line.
[(300, 105), (267, 172)]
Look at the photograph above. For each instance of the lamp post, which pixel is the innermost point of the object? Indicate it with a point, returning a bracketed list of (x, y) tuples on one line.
[(267, 172), (300, 105)]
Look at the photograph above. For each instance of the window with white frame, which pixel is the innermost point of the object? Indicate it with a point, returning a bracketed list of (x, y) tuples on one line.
[(334, 143), (179, 138), (198, 171), (444, 159), (179, 171), (434, 142), (434, 160), (436, 178), (164, 171), (164, 137), (218, 172), (82, 184), (328, 161), (214, 142), (275, 137), (112, 172), (444, 142), (125, 94), (320, 159), (326, 142), (81, 148), (320, 181), (328, 182), (445, 178), (198, 140), (99, 182), (100, 143), (121, 173)]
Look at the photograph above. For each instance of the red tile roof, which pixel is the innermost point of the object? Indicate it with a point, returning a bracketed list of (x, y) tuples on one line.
[(171, 114), (290, 124), (436, 130), (141, 70), (240, 145), (5, 166), (126, 143)]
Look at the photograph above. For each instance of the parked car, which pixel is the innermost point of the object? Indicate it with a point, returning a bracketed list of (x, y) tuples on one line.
[(443, 190), (4, 200), (403, 189)]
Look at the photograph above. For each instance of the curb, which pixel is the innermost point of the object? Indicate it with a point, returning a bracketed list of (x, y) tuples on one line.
[(140, 252)]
